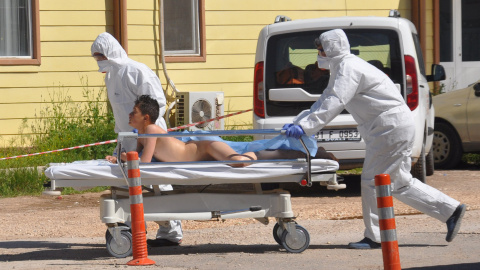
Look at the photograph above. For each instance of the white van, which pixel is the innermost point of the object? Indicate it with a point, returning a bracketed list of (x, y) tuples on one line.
[(286, 81)]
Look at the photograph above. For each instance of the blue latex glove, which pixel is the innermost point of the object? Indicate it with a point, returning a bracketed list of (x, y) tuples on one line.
[(295, 131), (286, 126)]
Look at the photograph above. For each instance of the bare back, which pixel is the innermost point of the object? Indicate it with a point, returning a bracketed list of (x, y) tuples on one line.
[(169, 149)]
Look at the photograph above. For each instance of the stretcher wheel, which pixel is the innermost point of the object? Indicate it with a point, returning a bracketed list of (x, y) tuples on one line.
[(121, 249), (277, 233), (296, 245)]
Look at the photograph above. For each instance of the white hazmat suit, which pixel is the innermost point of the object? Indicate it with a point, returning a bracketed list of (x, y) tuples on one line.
[(126, 80), (385, 123)]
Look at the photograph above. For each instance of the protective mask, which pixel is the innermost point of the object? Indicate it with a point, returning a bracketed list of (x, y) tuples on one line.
[(104, 66), (323, 62)]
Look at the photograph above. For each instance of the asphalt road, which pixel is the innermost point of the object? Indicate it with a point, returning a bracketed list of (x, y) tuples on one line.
[(421, 239), (421, 246)]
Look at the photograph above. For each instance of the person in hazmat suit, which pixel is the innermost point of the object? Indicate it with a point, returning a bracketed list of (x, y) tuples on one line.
[(126, 80), (385, 123)]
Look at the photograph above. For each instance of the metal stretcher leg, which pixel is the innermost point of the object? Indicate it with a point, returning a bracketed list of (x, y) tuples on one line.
[(206, 206)]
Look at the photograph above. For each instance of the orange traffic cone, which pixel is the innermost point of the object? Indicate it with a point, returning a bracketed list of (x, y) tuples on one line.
[(139, 238)]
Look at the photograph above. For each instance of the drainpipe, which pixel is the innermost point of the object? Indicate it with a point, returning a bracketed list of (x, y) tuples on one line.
[(419, 20), (120, 23), (164, 67)]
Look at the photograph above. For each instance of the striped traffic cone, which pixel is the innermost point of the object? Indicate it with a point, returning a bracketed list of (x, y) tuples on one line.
[(388, 234), (139, 238)]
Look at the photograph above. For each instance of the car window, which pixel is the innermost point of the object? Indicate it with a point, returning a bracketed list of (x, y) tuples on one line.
[(291, 63)]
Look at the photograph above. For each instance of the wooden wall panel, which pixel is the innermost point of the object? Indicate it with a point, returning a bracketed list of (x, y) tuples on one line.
[(33, 95), (47, 80), (75, 17), (254, 5), (264, 17), (220, 61), (62, 5), (374, 5)]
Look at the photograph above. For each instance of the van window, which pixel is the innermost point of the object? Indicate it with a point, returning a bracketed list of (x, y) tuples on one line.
[(291, 63)]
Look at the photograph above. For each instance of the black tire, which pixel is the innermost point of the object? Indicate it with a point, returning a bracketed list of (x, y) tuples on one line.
[(447, 147), (296, 246), (122, 250), (419, 170), (430, 166), (277, 233)]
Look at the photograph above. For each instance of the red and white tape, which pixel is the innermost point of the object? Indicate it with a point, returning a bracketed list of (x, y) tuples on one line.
[(114, 141), (207, 121)]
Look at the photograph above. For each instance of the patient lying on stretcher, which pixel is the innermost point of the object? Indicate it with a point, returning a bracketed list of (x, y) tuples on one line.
[(169, 149)]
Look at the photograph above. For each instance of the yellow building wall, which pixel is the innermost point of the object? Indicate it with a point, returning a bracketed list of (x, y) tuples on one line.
[(68, 28)]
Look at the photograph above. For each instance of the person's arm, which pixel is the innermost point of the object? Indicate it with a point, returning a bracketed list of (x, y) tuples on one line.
[(148, 144), (332, 102), (148, 149), (113, 159)]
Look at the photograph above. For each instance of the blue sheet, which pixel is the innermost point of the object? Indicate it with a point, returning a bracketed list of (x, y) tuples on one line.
[(279, 142)]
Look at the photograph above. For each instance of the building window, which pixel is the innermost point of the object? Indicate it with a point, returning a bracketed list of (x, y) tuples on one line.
[(184, 29), (446, 31), (470, 30), (19, 43)]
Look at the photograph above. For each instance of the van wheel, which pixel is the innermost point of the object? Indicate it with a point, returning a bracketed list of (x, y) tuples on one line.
[(419, 170), (430, 166), (447, 148)]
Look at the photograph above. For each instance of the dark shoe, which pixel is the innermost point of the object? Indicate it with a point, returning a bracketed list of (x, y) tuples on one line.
[(453, 223), (365, 243), (162, 243)]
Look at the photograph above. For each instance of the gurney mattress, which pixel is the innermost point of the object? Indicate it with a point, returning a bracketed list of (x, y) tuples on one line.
[(98, 173)]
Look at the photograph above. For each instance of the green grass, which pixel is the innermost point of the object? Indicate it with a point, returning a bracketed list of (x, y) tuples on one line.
[(62, 123), (471, 159), (356, 171)]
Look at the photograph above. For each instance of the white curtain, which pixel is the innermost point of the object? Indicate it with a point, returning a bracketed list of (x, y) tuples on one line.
[(15, 28), (182, 34)]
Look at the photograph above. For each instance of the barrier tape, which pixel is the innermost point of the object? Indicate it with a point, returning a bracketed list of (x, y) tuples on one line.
[(114, 141), (209, 120)]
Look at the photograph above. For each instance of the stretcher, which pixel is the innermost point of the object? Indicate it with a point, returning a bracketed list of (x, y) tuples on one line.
[(204, 201)]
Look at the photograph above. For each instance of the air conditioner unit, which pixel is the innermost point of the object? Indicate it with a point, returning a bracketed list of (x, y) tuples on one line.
[(193, 107)]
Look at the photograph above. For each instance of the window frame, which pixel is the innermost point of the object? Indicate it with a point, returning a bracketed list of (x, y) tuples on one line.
[(36, 56), (203, 52)]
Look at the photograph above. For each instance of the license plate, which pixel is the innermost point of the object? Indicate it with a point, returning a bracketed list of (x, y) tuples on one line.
[(336, 135)]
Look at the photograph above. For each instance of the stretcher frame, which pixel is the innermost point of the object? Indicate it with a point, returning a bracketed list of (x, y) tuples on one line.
[(161, 206)]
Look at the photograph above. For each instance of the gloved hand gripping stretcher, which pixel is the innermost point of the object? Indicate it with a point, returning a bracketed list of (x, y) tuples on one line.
[(201, 204)]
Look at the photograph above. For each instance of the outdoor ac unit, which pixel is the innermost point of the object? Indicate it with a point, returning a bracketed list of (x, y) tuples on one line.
[(193, 107)]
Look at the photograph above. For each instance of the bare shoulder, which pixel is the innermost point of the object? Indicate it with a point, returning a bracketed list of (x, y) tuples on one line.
[(154, 129)]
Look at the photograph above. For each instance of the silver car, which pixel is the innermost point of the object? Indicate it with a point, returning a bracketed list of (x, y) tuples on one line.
[(457, 125)]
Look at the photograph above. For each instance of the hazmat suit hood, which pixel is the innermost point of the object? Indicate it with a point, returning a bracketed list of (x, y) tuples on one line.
[(126, 79), (335, 44), (107, 45)]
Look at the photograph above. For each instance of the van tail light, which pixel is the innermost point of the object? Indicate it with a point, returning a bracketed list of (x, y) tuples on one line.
[(412, 82), (258, 92)]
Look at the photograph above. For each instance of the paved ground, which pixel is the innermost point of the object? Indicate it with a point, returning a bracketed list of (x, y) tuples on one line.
[(421, 245), (54, 233)]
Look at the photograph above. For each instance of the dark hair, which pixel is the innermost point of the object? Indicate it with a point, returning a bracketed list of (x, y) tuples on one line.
[(148, 105)]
